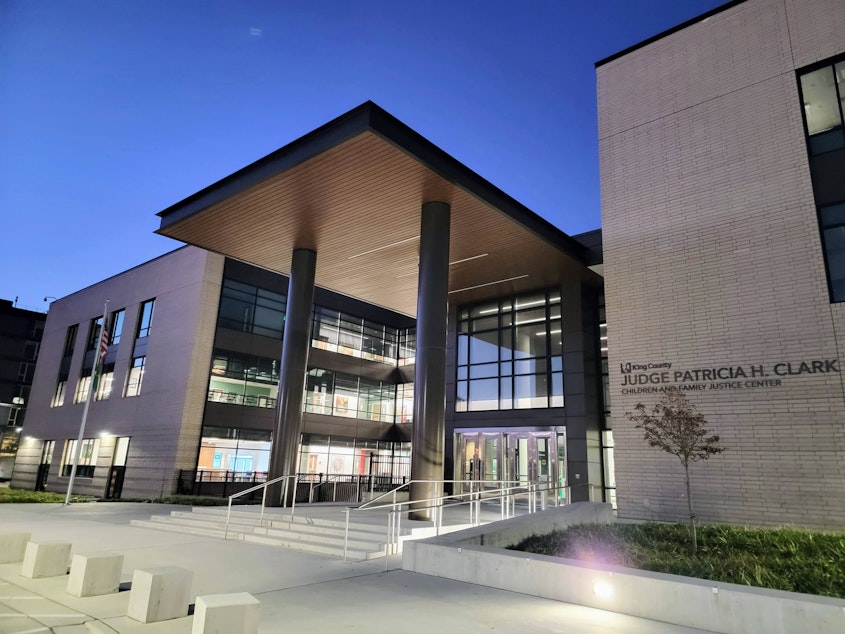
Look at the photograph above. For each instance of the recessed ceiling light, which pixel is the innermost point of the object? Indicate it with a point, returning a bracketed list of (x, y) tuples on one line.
[(474, 257), (386, 246), (507, 279)]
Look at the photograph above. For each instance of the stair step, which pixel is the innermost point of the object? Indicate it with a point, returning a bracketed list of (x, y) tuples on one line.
[(179, 528), (333, 540), (356, 554)]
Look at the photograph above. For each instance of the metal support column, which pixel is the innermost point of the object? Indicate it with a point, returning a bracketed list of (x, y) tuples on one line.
[(292, 371), (430, 379)]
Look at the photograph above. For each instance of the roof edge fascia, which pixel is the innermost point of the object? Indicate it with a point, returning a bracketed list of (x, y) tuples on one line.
[(369, 117), (670, 31)]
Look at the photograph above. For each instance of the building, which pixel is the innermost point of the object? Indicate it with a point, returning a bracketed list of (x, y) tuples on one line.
[(20, 340), (722, 152), (227, 359)]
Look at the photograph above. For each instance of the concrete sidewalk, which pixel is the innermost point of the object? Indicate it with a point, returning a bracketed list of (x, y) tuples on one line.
[(298, 591)]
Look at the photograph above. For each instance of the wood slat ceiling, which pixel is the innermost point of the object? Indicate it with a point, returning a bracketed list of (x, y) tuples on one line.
[(361, 195)]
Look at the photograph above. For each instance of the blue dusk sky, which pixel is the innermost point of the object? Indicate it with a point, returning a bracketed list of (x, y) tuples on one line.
[(111, 111)]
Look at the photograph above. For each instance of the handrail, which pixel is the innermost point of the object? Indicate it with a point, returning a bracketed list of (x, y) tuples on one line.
[(264, 486), (333, 477), (394, 521), (506, 496)]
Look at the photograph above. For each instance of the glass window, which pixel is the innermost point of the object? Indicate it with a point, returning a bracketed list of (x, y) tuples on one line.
[(247, 308), (348, 396), (26, 372), (833, 238), (146, 320), (509, 354), (319, 391), (116, 326), (93, 333), (243, 380), (59, 395), (346, 334), (104, 382), (405, 403), (246, 452), (823, 95), (82, 387), (30, 350), (87, 457), (135, 377), (70, 340), (407, 347)]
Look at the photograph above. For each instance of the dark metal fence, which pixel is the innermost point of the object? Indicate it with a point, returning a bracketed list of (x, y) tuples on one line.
[(310, 487)]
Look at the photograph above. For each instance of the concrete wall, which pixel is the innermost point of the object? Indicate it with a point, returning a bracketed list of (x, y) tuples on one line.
[(711, 606), (164, 421), (712, 260)]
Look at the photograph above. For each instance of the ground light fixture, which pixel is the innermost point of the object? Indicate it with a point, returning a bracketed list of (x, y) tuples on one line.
[(603, 590)]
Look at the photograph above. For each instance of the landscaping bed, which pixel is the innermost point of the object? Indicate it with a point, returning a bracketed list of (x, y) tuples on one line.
[(779, 559)]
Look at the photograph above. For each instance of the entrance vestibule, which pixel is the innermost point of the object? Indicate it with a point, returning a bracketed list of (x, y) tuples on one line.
[(516, 456)]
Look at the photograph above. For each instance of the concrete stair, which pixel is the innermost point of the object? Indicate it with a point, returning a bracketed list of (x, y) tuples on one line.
[(324, 534)]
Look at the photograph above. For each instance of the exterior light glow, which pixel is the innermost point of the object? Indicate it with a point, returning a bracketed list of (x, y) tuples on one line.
[(603, 590)]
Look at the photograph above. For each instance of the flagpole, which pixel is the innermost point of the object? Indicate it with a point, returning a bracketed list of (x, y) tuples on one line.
[(88, 399)]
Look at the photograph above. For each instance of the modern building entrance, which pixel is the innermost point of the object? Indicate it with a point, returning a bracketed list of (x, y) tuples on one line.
[(517, 455)]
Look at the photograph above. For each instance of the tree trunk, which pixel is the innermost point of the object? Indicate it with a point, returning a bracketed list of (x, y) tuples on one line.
[(691, 514)]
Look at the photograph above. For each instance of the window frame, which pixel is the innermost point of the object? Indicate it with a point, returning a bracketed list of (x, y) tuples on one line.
[(507, 370), (840, 96)]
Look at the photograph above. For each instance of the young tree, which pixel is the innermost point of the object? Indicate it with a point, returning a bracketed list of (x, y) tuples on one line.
[(677, 427)]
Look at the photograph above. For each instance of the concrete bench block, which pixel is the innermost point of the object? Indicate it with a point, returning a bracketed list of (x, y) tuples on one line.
[(159, 594), (235, 613), (13, 547), (45, 559), (93, 575)]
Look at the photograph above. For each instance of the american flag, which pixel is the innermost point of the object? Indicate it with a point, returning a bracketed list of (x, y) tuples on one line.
[(104, 343)]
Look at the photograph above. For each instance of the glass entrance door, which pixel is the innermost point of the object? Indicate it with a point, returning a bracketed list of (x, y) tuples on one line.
[(517, 456)]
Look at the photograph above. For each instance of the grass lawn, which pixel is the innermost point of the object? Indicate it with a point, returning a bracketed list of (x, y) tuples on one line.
[(19, 496), (781, 559)]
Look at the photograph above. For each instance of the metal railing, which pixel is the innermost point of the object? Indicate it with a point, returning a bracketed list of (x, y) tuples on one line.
[(349, 487), (264, 486), (535, 493)]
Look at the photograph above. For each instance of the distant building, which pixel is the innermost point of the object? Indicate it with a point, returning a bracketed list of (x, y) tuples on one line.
[(722, 151), (20, 340)]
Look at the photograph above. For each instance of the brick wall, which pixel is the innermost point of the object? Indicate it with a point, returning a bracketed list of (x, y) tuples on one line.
[(713, 260), (164, 420)]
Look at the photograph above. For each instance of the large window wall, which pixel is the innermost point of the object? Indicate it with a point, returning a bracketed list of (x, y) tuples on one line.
[(333, 455), (510, 354), (247, 308), (346, 334), (224, 449), (349, 396), (243, 379)]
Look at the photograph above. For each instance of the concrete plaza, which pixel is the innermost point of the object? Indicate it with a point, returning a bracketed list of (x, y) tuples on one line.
[(298, 591)]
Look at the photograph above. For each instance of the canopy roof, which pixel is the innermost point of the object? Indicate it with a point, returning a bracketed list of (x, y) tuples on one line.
[(352, 191)]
